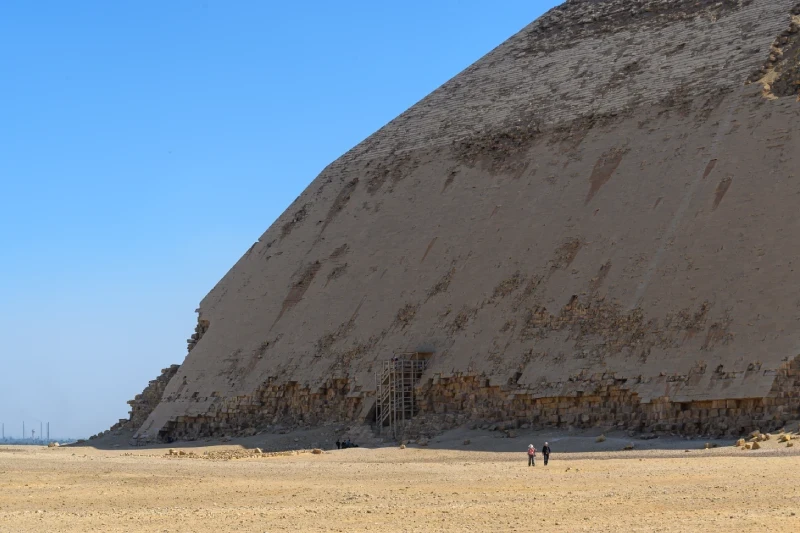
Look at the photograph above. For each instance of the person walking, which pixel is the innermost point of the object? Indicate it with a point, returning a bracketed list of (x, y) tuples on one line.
[(338, 444), (546, 453), (531, 455)]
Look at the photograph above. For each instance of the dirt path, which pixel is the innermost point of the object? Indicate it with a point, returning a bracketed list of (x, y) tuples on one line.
[(83, 489)]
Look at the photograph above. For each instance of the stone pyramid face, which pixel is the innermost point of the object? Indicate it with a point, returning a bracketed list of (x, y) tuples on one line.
[(596, 223)]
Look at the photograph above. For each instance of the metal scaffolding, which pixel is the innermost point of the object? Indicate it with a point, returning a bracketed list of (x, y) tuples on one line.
[(394, 385)]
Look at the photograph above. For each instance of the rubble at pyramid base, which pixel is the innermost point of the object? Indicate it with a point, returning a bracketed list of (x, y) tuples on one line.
[(446, 403)]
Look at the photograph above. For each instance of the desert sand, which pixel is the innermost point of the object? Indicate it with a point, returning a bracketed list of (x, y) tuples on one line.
[(672, 486)]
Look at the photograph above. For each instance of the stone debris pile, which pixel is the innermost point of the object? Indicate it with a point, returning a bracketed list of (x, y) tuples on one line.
[(756, 437), (236, 454), (143, 404)]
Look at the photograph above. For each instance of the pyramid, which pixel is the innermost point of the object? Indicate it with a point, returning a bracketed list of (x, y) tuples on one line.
[(590, 226)]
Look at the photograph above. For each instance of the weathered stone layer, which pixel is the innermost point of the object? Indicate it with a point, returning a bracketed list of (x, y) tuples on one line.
[(143, 404), (604, 401)]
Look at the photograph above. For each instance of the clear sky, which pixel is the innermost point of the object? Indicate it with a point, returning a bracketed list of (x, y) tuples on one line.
[(145, 145)]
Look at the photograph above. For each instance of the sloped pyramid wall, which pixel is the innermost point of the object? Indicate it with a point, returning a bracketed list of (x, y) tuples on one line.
[(596, 223)]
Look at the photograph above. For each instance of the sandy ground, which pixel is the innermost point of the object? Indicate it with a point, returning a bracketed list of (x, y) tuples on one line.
[(390, 489)]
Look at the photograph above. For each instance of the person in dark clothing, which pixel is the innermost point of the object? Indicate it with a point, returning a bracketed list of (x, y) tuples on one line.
[(546, 453), (338, 444)]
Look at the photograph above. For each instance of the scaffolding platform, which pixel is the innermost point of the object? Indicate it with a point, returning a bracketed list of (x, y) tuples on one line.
[(394, 385)]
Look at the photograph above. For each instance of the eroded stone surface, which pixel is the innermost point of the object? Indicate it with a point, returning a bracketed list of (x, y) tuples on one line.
[(143, 404), (592, 222)]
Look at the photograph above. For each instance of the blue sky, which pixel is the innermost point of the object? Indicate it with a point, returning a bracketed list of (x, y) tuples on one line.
[(145, 145)]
